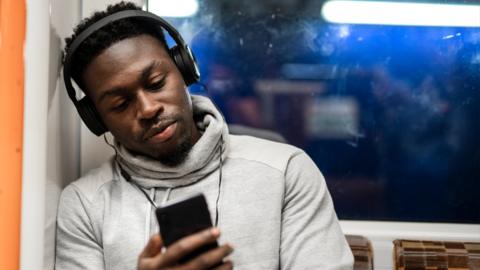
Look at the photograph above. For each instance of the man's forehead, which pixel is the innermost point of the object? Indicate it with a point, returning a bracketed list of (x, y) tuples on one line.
[(135, 46), (134, 53)]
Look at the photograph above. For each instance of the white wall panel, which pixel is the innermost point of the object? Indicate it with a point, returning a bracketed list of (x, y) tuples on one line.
[(63, 139), (36, 55), (51, 144), (64, 126), (90, 6)]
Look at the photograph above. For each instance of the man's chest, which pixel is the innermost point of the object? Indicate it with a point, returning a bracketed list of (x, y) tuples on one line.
[(249, 219)]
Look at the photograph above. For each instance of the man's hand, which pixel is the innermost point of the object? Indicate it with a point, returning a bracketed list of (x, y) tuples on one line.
[(152, 257)]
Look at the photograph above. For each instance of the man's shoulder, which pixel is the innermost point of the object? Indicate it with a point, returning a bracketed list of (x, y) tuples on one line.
[(89, 184), (273, 154)]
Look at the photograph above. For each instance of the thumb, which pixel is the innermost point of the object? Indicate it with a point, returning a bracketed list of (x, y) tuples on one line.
[(153, 247)]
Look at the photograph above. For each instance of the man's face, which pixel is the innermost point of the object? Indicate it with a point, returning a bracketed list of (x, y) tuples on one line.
[(142, 98)]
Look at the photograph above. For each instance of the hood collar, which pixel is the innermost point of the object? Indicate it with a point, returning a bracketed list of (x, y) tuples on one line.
[(203, 159)]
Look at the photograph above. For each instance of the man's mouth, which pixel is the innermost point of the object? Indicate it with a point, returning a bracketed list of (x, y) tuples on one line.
[(162, 132)]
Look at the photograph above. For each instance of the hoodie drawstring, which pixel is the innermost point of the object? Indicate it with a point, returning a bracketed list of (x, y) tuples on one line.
[(148, 216), (167, 196)]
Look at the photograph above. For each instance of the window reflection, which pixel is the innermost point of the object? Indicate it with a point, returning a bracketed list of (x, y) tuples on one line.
[(390, 114)]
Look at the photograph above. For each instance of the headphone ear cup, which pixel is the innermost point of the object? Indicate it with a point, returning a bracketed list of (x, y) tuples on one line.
[(186, 63), (90, 116)]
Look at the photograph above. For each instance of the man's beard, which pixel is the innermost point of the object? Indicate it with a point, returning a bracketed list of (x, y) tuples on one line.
[(179, 155)]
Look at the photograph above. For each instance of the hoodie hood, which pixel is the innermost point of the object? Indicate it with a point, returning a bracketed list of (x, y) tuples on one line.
[(203, 158)]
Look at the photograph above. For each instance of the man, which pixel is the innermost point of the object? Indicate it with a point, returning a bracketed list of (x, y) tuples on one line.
[(270, 200)]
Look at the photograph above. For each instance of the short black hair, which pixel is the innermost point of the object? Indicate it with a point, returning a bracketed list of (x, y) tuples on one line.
[(106, 37)]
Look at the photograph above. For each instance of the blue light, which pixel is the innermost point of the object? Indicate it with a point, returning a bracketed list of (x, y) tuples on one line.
[(173, 8), (401, 13)]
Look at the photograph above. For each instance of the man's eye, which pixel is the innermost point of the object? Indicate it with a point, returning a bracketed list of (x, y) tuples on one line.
[(120, 106), (156, 85)]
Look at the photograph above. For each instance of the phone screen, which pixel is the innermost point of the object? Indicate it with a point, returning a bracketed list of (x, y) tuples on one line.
[(183, 217)]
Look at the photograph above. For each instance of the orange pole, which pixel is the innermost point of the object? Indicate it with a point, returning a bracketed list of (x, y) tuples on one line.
[(12, 37)]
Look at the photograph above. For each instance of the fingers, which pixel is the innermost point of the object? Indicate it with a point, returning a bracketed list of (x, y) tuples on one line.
[(153, 247), (152, 258), (186, 245), (227, 265), (211, 258)]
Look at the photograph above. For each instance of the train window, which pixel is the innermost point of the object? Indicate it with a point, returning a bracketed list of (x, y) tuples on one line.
[(388, 110)]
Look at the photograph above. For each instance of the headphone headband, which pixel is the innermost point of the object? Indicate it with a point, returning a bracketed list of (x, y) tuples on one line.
[(180, 54)]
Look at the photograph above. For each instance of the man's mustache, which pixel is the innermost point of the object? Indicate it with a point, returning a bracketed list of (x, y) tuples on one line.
[(157, 126)]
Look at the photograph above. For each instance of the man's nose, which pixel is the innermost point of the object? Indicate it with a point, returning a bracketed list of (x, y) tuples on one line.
[(148, 107)]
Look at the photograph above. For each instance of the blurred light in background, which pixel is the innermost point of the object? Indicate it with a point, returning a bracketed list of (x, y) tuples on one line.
[(401, 13), (173, 8)]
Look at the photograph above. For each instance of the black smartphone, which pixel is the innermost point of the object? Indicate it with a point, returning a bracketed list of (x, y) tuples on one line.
[(182, 217)]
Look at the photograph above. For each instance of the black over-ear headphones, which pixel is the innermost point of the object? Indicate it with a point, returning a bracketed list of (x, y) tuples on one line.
[(181, 55)]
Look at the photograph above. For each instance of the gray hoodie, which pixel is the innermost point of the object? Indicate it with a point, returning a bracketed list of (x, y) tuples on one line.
[(274, 206)]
